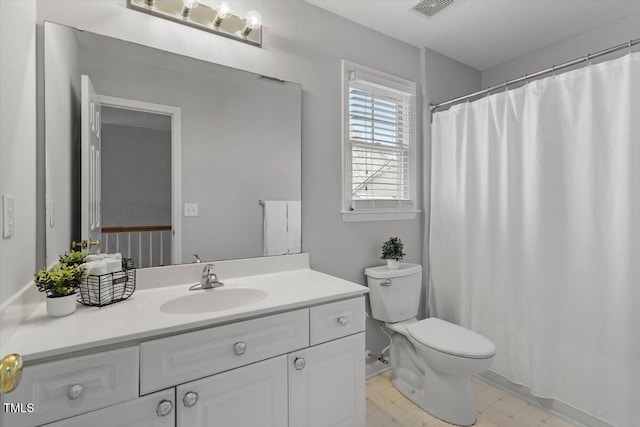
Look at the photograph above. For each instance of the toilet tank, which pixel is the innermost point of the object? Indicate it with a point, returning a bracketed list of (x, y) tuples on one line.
[(394, 294)]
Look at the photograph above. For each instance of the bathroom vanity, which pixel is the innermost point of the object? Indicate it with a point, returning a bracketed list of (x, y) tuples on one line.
[(295, 357)]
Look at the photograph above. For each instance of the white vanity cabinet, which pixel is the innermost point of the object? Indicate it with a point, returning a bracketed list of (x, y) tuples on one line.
[(302, 367), (317, 386)]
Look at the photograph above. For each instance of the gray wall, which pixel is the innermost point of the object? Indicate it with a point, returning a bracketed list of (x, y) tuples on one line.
[(240, 141), (612, 34), (136, 176), (62, 136), (18, 142)]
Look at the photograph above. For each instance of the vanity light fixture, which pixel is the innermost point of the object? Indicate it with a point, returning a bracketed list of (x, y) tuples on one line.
[(220, 20)]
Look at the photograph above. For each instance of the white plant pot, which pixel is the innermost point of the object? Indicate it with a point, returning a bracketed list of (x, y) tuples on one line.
[(393, 264), (61, 306)]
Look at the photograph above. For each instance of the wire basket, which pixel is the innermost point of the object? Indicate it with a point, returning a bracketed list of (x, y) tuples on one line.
[(109, 288)]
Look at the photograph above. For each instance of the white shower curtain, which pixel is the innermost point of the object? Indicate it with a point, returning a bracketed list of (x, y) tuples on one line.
[(535, 233)]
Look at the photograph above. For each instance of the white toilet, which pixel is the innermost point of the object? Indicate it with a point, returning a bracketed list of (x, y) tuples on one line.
[(432, 361)]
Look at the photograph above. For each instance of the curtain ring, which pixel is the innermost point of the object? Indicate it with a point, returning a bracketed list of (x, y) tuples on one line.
[(630, 46), (526, 79), (588, 59), (506, 85)]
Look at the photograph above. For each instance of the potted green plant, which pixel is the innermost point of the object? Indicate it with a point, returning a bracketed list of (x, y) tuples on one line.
[(392, 252), (60, 285), (73, 258)]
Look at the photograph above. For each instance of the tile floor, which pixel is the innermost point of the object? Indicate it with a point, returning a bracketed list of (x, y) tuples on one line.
[(386, 407)]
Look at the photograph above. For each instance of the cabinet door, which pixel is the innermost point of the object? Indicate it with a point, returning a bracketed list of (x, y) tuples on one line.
[(154, 410), (327, 384), (254, 395)]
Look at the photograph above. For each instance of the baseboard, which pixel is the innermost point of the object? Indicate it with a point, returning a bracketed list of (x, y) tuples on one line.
[(375, 368), (558, 408)]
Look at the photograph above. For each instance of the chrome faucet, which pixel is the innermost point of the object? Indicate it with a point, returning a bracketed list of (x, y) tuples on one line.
[(209, 279)]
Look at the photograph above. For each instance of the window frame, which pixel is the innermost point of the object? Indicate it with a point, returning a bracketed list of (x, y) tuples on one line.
[(394, 83)]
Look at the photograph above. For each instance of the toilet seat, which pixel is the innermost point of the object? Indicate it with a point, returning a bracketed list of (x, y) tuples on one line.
[(451, 339)]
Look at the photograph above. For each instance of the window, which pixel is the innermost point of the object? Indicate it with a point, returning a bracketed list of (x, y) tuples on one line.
[(379, 152)]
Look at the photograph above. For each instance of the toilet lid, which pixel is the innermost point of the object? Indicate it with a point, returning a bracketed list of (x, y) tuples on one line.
[(452, 339)]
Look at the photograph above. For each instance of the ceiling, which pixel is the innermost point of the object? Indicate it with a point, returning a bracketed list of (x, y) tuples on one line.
[(483, 33)]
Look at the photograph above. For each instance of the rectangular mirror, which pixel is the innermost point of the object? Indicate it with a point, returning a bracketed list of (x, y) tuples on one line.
[(160, 156)]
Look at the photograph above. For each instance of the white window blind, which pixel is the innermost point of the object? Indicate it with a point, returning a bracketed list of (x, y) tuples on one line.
[(380, 126)]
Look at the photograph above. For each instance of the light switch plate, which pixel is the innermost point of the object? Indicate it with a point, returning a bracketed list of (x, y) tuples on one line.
[(8, 217), (52, 214), (190, 209)]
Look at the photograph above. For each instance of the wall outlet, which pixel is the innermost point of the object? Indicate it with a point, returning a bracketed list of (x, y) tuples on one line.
[(8, 216), (190, 209)]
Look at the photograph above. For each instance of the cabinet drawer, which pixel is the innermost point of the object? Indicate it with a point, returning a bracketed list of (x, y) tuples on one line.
[(74, 386), (141, 412), (337, 319), (175, 360)]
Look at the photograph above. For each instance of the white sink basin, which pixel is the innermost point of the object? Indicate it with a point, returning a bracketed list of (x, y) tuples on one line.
[(218, 299)]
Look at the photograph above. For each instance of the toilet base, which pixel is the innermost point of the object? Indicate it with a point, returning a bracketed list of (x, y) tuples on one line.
[(446, 396), (449, 399)]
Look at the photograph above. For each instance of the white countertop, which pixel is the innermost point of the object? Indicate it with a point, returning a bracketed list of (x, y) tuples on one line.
[(139, 318)]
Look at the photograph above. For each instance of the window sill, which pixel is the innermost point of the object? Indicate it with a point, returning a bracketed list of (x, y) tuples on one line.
[(365, 216)]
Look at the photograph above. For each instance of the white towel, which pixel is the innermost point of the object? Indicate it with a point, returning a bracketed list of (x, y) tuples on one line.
[(294, 227), (275, 228), (113, 265), (96, 268), (93, 258), (102, 257)]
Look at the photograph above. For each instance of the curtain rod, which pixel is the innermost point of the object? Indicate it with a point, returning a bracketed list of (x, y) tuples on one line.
[(589, 57)]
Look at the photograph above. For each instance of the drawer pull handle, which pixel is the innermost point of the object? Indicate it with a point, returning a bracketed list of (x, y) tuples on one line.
[(190, 399), (343, 321), (165, 407), (387, 282), (299, 363), (239, 348), (75, 391)]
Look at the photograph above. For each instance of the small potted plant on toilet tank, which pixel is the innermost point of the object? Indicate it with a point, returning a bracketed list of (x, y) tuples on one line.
[(60, 285), (392, 252)]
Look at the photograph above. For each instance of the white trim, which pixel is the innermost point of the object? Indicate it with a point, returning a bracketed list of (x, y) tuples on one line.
[(176, 161), (376, 215), (397, 83)]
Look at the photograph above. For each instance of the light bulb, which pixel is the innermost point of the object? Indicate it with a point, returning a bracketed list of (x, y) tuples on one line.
[(224, 11), (187, 5), (253, 22)]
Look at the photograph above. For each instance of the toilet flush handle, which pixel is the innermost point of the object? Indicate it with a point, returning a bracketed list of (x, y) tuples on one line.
[(387, 282)]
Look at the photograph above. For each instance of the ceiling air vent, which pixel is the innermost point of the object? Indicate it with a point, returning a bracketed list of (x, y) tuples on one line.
[(430, 7)]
